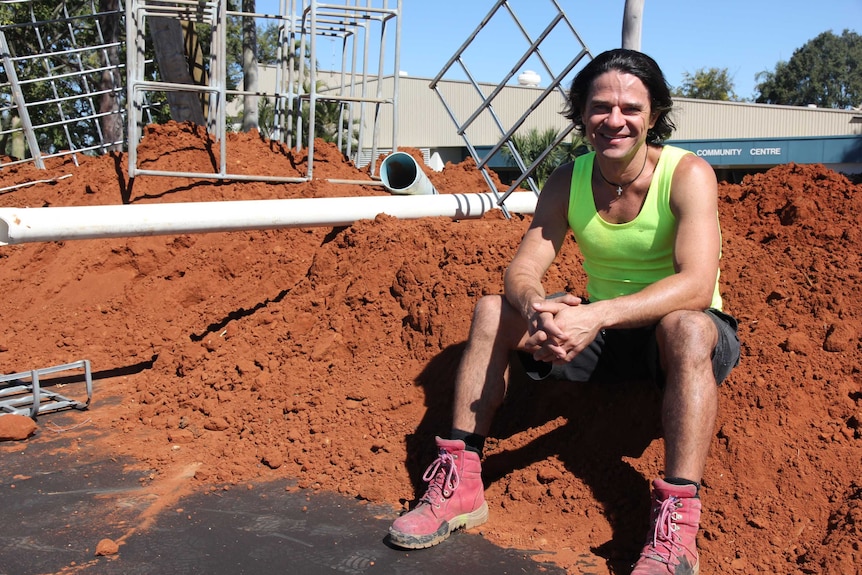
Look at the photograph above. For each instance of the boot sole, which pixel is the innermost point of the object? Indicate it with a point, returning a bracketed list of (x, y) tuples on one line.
[(465, 521)]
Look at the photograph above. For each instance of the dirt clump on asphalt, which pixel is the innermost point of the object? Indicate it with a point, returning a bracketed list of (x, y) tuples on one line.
[(323, 357)]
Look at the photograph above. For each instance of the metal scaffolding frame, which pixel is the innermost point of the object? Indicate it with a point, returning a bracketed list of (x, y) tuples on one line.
[(353, 24), (486, 105), (22, 393), (212, 13), (60, 56), (57, 55), (50, 54), (301, 24)]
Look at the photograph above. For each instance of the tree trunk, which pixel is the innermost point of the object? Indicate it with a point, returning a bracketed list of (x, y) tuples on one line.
[(167, 38), (249, 68), (632, 21), (195, 54), (112, 120)]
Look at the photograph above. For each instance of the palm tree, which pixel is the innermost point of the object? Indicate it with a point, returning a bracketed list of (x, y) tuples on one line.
[(531, 145)]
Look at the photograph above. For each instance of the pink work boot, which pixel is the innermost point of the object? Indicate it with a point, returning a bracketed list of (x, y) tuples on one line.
[(455, 499), (671, 547)]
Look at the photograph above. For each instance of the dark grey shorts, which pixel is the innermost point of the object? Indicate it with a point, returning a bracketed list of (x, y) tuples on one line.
[(632, 354)]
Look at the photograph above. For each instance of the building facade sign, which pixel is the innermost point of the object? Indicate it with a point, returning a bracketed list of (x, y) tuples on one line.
[(770, 152)]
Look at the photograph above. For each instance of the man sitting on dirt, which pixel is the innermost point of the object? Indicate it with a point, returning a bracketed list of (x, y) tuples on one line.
[(644, 216)]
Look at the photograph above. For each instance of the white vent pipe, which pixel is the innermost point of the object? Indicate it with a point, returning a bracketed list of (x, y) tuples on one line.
[(20, 225)]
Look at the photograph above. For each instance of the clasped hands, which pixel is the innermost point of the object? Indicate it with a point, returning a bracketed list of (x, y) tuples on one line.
[(560, 328)]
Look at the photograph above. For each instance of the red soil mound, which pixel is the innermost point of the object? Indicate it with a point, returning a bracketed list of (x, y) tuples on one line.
[(325, 356)]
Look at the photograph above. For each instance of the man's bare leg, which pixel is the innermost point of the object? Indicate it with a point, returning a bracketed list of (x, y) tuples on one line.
[(455, 495), (480, 384), (689, 408), (690, 403)]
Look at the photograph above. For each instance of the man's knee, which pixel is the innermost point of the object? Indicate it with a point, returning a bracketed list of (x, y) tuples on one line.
[(486, 316), (494, 317), (488, 306), (687, 332)]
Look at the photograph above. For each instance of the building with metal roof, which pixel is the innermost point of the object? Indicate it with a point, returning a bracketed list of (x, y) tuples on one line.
[(735, 137)]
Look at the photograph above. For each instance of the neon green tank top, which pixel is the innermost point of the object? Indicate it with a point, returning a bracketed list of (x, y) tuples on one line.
[(622, 259)]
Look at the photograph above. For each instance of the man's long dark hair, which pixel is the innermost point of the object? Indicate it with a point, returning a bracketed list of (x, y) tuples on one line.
[(630, 62)]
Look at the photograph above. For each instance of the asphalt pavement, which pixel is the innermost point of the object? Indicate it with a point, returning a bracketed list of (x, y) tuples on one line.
[(59, 499)]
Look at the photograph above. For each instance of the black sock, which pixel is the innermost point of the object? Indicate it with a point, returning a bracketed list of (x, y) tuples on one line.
[(683, 481), (472, 441)]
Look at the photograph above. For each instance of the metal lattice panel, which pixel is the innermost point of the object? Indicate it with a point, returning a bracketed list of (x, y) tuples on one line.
[(24, 394), (61, 90), (485, 107)]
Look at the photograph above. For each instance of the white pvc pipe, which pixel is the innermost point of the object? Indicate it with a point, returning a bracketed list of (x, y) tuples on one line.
[(21, 225), (401, 174)]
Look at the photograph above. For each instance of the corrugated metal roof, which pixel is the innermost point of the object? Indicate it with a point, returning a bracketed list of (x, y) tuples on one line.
[(712, 120)]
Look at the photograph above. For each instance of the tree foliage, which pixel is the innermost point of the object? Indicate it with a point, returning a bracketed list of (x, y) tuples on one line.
[(826, 71), (268, 42), (707, 84), (57, 86)]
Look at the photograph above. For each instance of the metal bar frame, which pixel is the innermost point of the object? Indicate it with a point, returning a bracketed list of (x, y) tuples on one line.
[(486, 105), (32, 399), (82, 108), (300, 23)]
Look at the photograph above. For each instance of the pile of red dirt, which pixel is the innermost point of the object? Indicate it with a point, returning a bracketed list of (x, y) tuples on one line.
[(324, 357)]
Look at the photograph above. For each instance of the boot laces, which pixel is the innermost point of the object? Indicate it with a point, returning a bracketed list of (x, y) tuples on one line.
[(664, 539), (442, 478)]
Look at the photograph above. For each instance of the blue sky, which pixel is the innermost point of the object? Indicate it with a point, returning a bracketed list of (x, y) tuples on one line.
[(743, 36)]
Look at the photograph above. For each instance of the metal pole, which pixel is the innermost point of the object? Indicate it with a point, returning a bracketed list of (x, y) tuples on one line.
[(633, 16), (18, 96)]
